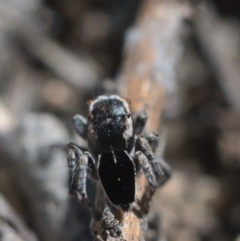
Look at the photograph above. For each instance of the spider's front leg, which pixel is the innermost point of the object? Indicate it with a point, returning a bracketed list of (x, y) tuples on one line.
[(140, 120), (80, 163), (156, 170), (80, 125)]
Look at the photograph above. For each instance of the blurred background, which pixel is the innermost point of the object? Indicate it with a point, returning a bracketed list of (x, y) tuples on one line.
[(55, 55)]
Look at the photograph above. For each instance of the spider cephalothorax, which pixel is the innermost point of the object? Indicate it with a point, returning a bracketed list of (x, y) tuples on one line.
[(110, 125)]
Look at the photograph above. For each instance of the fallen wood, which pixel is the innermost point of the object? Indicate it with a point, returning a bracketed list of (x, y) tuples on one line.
[(152, 52), (220, 40)]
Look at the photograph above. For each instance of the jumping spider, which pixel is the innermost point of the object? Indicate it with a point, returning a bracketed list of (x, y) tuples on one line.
[(117, 152)]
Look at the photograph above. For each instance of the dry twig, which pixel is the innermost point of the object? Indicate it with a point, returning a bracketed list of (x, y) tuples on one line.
[(153, 49), (220, 39)]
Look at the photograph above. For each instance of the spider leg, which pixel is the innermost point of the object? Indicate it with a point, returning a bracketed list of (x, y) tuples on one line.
[(156, 170), (80, 125), (140, 121), (79, 164), (153, 140), (157, 141), (147, 168), (154, 167)]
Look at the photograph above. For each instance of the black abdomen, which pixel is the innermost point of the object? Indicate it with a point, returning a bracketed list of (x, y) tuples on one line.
[(117, 175)]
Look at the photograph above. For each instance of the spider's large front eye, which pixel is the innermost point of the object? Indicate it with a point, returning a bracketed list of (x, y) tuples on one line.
[(128, 115)]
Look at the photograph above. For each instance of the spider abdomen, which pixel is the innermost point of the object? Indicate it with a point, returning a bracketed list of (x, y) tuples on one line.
[(117, 174)]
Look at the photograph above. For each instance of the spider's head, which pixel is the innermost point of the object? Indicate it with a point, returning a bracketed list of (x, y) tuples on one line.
[(110, 118)]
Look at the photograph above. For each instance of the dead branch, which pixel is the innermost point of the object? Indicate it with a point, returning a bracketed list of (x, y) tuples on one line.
[(152, 52), (153, 49), (220, 39)]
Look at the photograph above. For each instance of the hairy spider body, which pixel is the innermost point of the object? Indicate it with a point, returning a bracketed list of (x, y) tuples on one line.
[(117, 152)]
